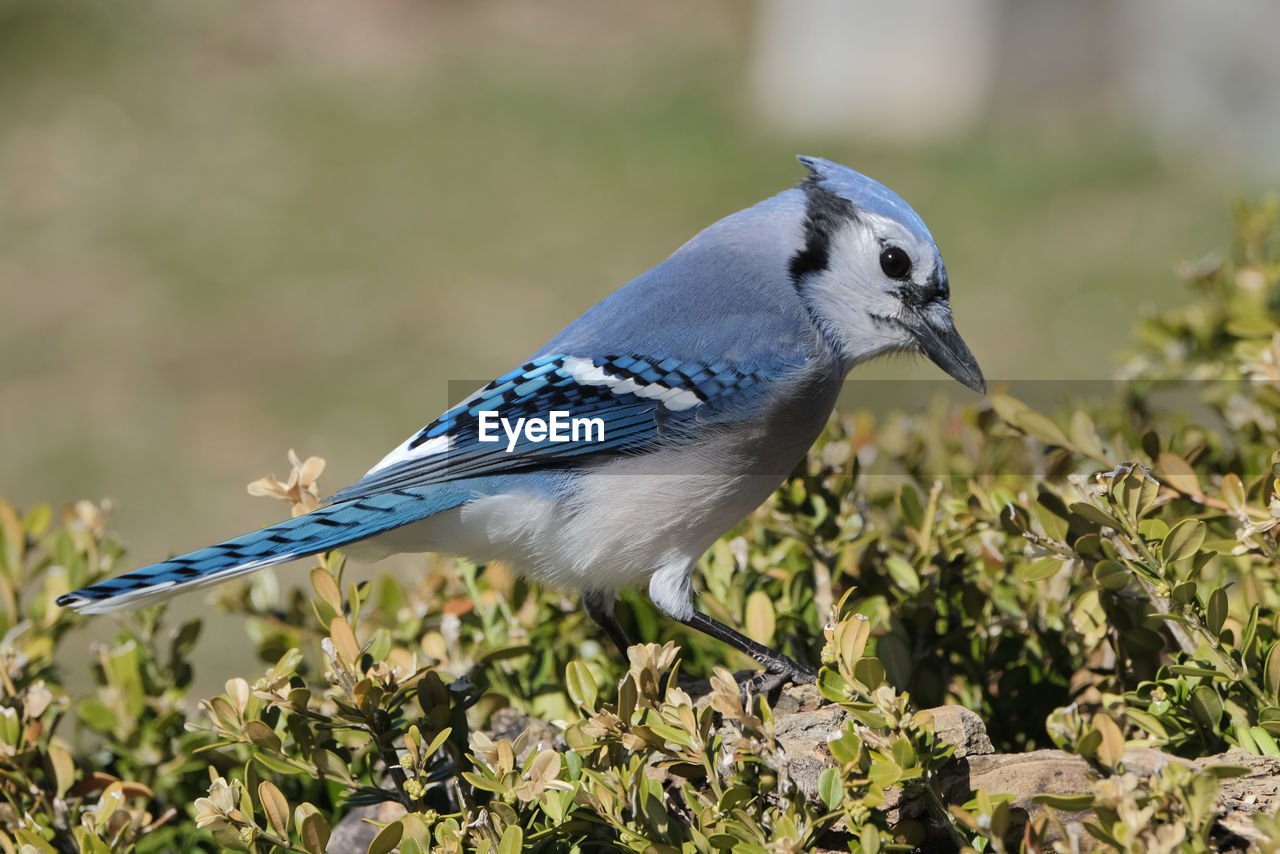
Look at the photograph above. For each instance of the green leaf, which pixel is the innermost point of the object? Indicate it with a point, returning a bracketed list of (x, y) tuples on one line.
[(734, 796), (845, 749), (1250, 630), (286, 666), (870, 672), (903, 574), (262, 735), (1216, 611), (1068, 803), (1147, 721), (1039, 570), (1184, 540), (1233, 493), (380, 644), (869, 839), (387, 839), (1042, 427), (1088, 744), (1142, 640), (1008, 408), (483, 782), (831, 788), (1136, 491), (331, 765), (1225, 771), (275, 764), (909, 504), (1207, 707), (884, 771), (1111, 575), (581, 686), (96, 715), (1095, 515), (1084, 436), (895, 654), (512, 840), (903, 753), (833, 686), (436, 743), (1271, 670), (670, 733), (1266, 742)]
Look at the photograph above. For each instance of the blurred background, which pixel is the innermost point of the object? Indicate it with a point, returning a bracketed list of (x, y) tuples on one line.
[(228, 228)]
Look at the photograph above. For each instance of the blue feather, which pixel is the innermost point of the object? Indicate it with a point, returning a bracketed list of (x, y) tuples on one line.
[(324, 529), (632, 421)]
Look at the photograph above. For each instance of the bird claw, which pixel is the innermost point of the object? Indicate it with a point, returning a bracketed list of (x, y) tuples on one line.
[(768, 683)]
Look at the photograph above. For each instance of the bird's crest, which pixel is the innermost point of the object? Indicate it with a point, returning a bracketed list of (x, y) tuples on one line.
[(865, 194)]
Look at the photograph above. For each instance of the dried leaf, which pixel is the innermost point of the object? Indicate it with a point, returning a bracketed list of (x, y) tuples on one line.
[(326, 588), (344, 640), (1175, 471), (275, 806), (760, 621)]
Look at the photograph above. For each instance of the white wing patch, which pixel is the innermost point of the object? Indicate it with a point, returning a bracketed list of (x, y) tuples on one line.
[(429, 448), (586, 372)]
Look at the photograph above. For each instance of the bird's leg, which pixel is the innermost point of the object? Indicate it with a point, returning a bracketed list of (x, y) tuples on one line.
[(599, 607), (776, 664)]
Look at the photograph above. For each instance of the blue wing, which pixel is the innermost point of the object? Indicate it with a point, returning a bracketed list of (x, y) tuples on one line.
[(622, 404)]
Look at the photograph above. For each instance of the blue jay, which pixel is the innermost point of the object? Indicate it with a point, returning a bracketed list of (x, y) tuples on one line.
[(698, 387)]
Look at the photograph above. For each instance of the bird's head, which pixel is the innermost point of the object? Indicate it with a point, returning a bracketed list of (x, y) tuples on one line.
[(872, 275)]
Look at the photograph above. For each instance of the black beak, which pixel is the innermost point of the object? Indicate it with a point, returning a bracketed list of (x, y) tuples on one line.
[(946, 349)]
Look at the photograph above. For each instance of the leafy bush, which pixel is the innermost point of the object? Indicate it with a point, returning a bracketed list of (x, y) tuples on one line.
[(1094, 578)]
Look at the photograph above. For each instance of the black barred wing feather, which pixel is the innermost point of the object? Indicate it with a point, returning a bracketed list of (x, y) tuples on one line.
[(554, 412)]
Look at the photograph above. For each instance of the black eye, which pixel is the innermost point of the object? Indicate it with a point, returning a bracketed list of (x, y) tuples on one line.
[(895, 262)]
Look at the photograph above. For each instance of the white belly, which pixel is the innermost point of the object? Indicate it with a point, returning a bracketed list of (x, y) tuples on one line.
[(618, 529)]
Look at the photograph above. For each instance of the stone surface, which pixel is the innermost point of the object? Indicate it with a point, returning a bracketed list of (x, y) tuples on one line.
[(963, 728)]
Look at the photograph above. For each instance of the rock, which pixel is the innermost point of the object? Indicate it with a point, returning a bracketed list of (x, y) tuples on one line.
[(509, 724), (803, 736), (963, 728), (353, 834)]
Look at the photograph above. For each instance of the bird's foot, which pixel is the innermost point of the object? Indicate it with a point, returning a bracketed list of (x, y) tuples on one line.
[(768, 683)]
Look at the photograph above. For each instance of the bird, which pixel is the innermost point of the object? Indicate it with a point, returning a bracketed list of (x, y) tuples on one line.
[(645, 430)]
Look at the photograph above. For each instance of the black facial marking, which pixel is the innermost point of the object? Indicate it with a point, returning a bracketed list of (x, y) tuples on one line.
[(940, 286), (917, 297), (824, 213)]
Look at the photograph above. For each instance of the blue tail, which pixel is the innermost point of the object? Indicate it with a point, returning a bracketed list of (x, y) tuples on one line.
[(318, 531)]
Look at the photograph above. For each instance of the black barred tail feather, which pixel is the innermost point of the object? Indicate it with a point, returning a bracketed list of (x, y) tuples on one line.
[(321, 530)]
